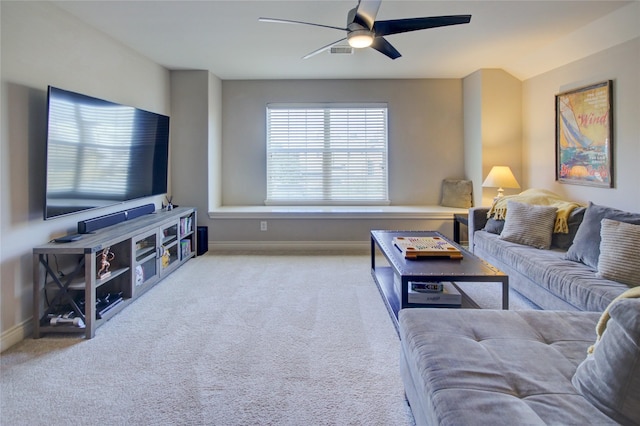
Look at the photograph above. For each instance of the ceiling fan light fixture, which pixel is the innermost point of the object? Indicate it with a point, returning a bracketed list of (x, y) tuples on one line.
[(360, 38)]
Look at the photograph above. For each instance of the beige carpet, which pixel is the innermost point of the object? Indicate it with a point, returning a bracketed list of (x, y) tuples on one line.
[(224, 340), (227, 340)]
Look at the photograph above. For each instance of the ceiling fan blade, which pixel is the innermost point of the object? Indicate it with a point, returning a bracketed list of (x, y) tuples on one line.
[(366, 12), (384, 47), (287, 21), (396, 26), (322, 49)]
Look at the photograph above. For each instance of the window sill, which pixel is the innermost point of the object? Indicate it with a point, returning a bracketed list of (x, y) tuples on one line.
[(335, 212)]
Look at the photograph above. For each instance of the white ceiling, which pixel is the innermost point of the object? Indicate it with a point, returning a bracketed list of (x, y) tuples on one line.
[(524, 38)]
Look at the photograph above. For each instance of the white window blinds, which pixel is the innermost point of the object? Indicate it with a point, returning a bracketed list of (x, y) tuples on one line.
[(327, 154)]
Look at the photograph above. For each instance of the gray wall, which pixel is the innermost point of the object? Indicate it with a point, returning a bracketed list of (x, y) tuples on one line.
[(195, 139), (425, 132), (425, 146), (492, 129), (41, 46), (620, 64)]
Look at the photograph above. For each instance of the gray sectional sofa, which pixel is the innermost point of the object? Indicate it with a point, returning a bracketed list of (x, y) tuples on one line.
[(477, 367), (490, 367), (545, 276)]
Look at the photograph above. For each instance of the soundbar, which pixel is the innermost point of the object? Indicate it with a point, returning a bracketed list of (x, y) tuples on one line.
[(90, 225), (140, 211)]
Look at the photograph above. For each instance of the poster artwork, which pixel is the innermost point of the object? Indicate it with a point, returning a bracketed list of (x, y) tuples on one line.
[(584, 136)]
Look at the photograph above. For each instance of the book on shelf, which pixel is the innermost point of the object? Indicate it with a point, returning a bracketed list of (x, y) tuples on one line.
[(427, 287), (185, 247), (186, 225)]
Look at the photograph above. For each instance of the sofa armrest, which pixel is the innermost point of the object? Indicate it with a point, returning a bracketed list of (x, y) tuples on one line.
[(477, 221)]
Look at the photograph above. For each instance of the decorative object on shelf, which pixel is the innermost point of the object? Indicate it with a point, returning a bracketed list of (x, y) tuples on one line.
[(169, 205), (139, 275), (105, 258), (584, 136), (165, 256), (500, 177)]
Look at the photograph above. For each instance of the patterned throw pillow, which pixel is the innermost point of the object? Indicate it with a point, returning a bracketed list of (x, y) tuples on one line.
[(586, 244), (619, 252), (529, 224)]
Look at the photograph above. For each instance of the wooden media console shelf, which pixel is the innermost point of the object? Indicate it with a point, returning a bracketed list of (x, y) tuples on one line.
[(79, 285)]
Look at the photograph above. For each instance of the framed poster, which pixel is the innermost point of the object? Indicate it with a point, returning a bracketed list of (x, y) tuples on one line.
[(584, 136)]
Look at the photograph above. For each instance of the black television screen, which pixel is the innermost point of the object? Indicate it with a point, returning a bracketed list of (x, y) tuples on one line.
[(100, 153)]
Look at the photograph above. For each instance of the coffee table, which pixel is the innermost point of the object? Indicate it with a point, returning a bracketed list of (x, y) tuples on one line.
[(431, 269)]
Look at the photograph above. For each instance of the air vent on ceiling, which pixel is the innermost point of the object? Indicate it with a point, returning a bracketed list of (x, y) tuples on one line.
[(341, 50)]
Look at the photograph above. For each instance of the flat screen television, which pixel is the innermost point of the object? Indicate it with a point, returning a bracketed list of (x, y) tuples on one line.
[(100, 153)]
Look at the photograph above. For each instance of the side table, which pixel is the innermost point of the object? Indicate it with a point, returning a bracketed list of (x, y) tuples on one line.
[(457, 220)]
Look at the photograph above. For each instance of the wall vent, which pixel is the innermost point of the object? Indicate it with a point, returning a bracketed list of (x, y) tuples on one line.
[(341, 50)]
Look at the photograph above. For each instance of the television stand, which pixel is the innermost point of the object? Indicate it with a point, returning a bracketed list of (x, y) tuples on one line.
[(68, 238), (86, 282)]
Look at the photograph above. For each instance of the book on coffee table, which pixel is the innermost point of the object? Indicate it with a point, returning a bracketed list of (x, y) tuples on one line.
[(415, 247), (448, 296), (427, 287)]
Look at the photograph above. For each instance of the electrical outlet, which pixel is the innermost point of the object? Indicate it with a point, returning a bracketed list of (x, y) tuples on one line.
[(263, 225)]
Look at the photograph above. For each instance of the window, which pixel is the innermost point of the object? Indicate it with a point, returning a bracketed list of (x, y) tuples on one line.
[(327, 154)]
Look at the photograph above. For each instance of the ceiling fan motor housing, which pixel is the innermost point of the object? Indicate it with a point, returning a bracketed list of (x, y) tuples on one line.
[(360, 38)]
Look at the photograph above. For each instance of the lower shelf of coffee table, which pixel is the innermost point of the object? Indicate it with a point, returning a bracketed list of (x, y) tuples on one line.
[(384, 279)]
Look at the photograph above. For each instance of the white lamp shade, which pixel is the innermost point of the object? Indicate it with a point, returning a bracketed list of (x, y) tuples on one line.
[(500, 177)]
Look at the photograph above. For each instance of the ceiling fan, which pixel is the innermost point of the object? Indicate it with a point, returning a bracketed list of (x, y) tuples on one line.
[(364, 31)]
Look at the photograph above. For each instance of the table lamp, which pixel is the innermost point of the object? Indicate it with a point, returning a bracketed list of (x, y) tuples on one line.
[(500, 177)]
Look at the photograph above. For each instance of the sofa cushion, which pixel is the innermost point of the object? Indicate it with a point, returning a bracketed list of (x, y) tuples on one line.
[(495, 367), (610, 377), (572, 282), (528, 224), (619, 252), (564, 240), (586, 244)]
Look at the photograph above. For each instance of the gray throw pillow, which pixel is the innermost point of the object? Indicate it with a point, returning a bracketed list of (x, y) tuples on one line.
[(619, 252), (586, 244), (610, 377), (457, 193), (529, 224), (494, 226), (564, 241)]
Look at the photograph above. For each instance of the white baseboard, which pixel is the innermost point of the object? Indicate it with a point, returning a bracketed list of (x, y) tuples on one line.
[(16, 334), (341, 246)]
